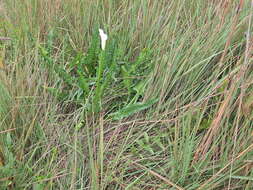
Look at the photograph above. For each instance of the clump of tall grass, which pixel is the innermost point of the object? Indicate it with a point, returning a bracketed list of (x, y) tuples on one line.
[(166, 105)]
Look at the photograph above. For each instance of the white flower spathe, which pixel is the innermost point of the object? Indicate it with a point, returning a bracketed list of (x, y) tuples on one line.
[(103, 37)]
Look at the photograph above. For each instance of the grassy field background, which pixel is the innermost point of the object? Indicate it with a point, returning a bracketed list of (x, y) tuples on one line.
[(167, 105)]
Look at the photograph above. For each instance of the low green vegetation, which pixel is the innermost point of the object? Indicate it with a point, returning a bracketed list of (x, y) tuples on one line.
[(166, 105)]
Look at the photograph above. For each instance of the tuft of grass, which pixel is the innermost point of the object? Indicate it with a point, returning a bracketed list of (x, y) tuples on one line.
[(167, 104)]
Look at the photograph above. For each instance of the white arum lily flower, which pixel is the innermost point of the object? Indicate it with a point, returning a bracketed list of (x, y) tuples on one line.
[(103, 37)]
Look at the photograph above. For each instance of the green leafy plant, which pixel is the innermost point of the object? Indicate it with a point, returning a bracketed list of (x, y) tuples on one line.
[(88, 77)]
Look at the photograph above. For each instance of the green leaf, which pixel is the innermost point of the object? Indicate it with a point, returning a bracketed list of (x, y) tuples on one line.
[(79, 126), (64, 75), (92, 56), (82, 83), (132, 109), (140, 87), (126, 78), (146, 137), (8, 140), (149, 149)]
